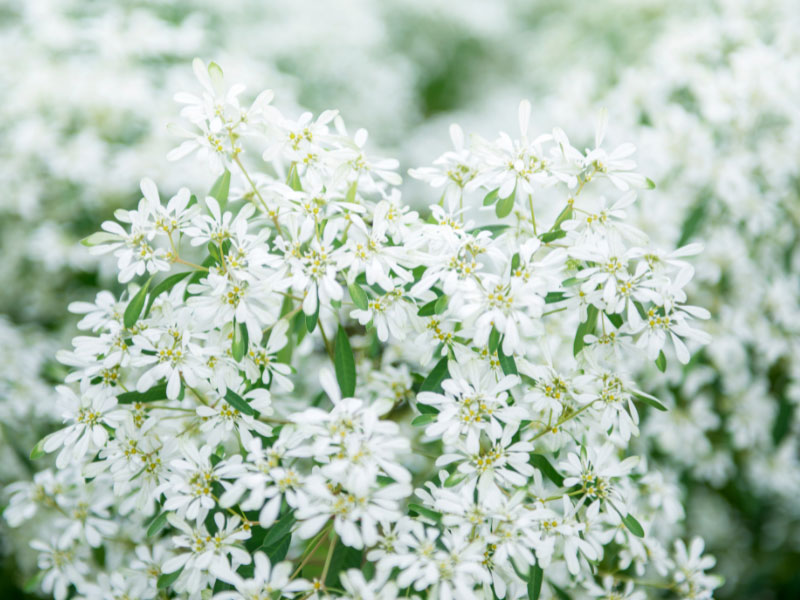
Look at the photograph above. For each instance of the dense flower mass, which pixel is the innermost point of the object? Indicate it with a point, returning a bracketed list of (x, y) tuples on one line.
[(309, 390)]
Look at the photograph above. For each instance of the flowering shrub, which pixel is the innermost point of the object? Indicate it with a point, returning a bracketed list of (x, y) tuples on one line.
[(309, 390)]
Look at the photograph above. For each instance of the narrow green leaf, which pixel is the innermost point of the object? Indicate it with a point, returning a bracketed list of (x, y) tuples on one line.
[(239, 403), (279, 530), (552, 297), (358, 296), (633, 525), (562, 216), (427, 409), (100, 237), (441, 304), (311, 320), (454, 479), (661, 361), (285, 353), (344, 557), (38, 450), (32, 584), (535, 577), (494, 340), (351, 192), (585, 328), (649, 400), (651, 185), (507, 363), (240, 341), (433, 382), (552, 236), (424, 511), (293, 179), (221, 188), (164, 286), (425, 419), (548, 470), (167, 579), (135, 306), (157, 524), (344, 364), (158, 392), (504, 206)]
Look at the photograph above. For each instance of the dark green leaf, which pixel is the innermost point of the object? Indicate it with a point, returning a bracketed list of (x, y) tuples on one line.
[(427, 409), (344, 557), (552, 297), (158, 392), (552, 236), (507, 363), (441, 305), (585, 328), (345, 364), (548, 470), (164, 286), (279, 530), (616, 319), (239, 403), (311, 320), (433, 382), (535, 576), (428, 310), (135, 306)]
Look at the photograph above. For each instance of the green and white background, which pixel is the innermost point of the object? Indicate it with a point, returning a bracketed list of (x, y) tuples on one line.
[(708, 91)]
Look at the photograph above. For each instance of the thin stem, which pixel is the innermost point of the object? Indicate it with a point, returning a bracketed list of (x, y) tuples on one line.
[(533, 216)]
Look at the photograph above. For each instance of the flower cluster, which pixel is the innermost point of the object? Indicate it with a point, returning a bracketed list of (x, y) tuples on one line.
[(309, 390)]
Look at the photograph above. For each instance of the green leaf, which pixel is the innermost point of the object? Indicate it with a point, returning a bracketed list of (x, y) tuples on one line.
[(345, 364), (535, 577), (562, 595), (167, 579), (552, 236), (358, 296), (32, 584), (507, 363), (454, 479), (552, 297), (157, 524), (585, 328), (650, 400), (693, 221), (433, 382), (562, 216), (651, 185), (494, 229), (424, 511), (311, 320), (548, 470), (38, 450), (285, 353), (441, 304), (214, 252), (279, 530), (135, 306), (504, 206), (240, 341), (633, 525), (424, 419), (661, 361), (427, 409), (428, 310), (293, 179), (616, 319), (164, 286), (344, 557), (490, 198), (239, 403), (221, 188), (494, 340), (158, 392), (351, 192), (100, 237)]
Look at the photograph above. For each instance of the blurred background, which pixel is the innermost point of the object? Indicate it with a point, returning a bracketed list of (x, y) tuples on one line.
[(708, 91)]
